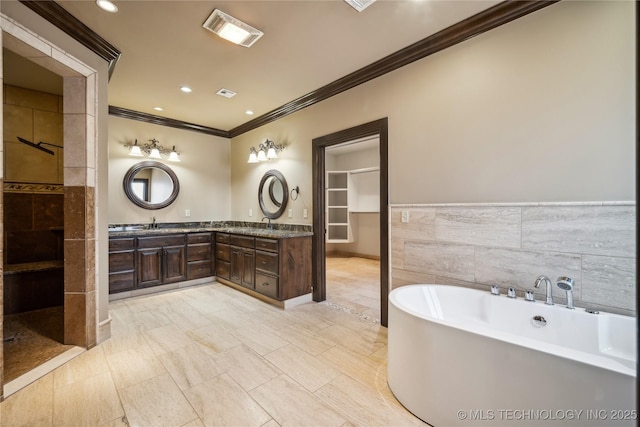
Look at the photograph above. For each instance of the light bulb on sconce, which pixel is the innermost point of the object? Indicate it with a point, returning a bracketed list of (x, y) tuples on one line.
[(152, 150), (266, 151), (253, 156), (135, 150)]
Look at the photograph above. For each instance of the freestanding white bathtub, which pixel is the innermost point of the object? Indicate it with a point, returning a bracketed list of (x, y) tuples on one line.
[(464, 357)]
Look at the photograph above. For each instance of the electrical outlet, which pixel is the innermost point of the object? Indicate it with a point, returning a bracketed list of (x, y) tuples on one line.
[(305, 213), (405, 216), (250, 212), (290, 213), (187, 212)]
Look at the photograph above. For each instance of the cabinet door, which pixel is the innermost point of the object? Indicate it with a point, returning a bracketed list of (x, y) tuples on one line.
[(149, 267), (174, 264), (248, 268), (235, 274)]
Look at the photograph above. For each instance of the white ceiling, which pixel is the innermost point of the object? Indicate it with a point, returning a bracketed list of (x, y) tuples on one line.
[(307, 44)]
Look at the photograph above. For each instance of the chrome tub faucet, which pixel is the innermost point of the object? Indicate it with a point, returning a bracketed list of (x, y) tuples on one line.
[(548, 288)]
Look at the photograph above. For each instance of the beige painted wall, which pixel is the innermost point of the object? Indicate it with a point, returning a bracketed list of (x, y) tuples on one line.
[(203, 173), (540, 109)]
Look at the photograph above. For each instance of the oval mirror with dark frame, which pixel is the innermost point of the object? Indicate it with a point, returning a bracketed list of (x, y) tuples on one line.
[(273, 194), (151, 185)]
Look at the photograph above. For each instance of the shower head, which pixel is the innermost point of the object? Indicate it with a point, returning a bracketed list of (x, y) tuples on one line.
[(565, 283)]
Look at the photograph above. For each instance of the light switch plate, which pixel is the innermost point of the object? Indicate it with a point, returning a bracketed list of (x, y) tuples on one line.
[(187, 212), (405, 217), (250, 212), (290, 213), (305, 213)]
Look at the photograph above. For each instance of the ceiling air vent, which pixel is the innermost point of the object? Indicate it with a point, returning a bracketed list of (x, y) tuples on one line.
[(226, 93), (232, 29), (360, 5)]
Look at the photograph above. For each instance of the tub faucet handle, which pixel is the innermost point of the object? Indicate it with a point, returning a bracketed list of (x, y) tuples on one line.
[(495, 290), (511, 292), (528, 296)]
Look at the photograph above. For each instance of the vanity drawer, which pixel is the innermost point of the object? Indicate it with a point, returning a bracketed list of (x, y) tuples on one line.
[(121, 282), (198, 269), (222, 269), (222, 252), (120, 261), (270, 245), (200, 251), (267, 261), (199, 238), (222, 237), (121, 244), (243, 241), (160, 241), (267, 285)]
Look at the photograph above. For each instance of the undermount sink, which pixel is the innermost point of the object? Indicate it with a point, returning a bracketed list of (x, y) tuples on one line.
[(127, 228)]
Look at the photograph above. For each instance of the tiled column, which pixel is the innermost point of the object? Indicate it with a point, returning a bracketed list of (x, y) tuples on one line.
[(79, 216)]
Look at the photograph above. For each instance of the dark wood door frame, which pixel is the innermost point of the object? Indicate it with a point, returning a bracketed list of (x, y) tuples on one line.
[(377, 127)]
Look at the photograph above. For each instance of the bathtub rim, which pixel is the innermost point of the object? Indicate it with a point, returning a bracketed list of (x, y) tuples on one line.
[(599, 361)]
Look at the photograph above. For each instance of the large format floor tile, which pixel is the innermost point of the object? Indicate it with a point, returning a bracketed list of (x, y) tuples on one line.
[(212, 356)]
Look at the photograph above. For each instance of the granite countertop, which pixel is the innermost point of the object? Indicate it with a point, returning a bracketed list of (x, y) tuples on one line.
[(135, 231)]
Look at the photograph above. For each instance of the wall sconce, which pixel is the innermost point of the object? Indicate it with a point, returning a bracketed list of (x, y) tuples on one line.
[(152, 150), (266, 151)]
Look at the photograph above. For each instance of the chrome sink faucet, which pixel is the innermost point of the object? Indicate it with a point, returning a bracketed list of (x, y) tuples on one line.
[(548, 287), (269, 226)]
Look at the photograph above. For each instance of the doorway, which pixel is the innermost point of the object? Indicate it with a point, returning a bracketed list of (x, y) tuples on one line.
[(74, 191), (320, 145), (353, 231)]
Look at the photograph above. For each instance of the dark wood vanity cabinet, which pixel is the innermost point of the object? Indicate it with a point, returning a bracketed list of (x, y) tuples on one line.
[(278, 268), (161, 260), (146, 261), (122, 266), (200, 260), (242, 260)]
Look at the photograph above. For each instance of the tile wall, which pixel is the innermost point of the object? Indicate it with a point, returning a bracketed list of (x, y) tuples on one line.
[(476, 245)]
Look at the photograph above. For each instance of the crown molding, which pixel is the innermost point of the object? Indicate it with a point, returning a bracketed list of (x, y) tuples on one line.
[(164, 121), (482, 22), (58, 16)]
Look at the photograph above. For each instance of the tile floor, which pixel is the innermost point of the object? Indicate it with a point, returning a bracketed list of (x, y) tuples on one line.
[(354, 284), (210, 355)]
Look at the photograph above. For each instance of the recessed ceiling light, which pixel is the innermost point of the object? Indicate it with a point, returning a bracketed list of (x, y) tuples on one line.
[(107, 5), (185, 89), (360, 5), (232, 29), (158, 108), (226, 93), (249, 112)]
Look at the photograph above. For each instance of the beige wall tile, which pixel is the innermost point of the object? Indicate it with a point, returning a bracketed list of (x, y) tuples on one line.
[(594, 230), (26, 164), (488, 226), (456, 261), (75, 140), (75, 99), (31, 99), (609, 281), (17, 121), (421, 225), (47, 127)]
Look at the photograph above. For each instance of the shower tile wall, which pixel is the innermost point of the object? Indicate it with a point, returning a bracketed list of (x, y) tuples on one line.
[(511, 245)]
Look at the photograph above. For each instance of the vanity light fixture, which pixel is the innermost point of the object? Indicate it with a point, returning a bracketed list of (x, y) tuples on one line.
[(232, 29), (152, 150), (266, 151)]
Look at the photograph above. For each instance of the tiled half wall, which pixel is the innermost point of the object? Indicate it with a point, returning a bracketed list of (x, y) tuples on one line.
[(477, 245)]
